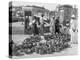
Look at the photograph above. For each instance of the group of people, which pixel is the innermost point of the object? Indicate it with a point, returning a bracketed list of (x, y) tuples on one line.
[(37, 25)]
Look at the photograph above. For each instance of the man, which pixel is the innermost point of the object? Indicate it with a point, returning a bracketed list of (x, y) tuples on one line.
[(26, 23), (42, 29), (41, 24), (52, 25)]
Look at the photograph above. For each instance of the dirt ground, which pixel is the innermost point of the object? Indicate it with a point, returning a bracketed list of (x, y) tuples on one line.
[(73, 50)]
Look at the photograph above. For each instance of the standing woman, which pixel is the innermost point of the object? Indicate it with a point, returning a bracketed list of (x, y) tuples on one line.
[(34, 26), (73, 28)]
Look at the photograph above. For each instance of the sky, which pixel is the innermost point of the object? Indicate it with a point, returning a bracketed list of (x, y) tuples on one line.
[(49, 6)]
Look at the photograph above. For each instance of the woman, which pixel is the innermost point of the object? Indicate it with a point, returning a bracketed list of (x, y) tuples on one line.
[(34, 25), (73, 30)]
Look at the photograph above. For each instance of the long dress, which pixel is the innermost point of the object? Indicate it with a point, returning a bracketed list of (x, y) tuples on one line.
[(72, 32), (41, 26), (52, 26), (57, 26), (35, 29)]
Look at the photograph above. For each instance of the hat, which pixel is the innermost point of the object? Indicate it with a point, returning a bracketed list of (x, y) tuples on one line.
[(73, 16)]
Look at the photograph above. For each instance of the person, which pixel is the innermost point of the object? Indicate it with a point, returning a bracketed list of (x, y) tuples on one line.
[(52, 26), (41, 25), (72, 30), (42, 29), (26, 23), (36, 30), (57, 26), (34, 25)]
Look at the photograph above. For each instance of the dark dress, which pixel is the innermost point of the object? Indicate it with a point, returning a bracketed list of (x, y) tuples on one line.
[(35, 30), (26, 22), (57, 26)]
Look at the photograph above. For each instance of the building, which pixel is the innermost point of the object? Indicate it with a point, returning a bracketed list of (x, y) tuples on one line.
[(36, 11), (65, 12), (31, 11)]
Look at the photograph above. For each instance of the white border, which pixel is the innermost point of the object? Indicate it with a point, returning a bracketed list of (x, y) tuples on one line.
[(4, 28)]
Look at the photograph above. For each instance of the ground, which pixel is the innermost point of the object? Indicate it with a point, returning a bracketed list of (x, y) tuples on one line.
[(17, 28), (73, 50)]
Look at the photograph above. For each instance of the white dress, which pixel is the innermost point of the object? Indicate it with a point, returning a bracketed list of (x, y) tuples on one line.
[(73, 25), (52, 26)]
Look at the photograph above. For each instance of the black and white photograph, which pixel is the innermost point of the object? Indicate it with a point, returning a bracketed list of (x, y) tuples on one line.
[(42, 29)]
